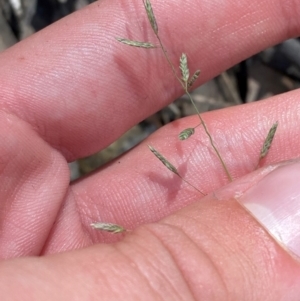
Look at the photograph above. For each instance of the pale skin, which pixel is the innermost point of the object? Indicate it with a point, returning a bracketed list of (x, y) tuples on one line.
[(71, 90)]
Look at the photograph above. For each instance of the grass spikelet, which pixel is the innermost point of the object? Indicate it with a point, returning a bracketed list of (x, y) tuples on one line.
[(193, 78), (163, 160), (185, 72), (171, 167), (136, 43), (187, 133), (151, 16), (108, 227), (268, 141)]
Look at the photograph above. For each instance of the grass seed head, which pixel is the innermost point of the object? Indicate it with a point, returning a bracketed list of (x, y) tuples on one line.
[(268, 141), (108, 227), (193, 78), (187, 133), (183, 65), (151, 16), (163, 160), (136, 43)]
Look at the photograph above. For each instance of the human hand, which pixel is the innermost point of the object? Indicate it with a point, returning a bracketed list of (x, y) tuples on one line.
[(71, 90)]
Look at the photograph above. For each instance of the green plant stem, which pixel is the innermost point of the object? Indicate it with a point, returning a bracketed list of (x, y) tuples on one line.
[(184, 180), (211, 140), (169, 61), (184, 86)]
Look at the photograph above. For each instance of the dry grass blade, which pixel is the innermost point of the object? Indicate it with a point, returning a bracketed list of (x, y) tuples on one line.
[(151, 16), (108, 227), (185, 72), (136, 43), (163, 160), (187, 133), (193, 78), (268, 141)]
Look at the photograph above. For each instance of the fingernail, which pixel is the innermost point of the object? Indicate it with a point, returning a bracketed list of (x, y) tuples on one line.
[(275, 202)]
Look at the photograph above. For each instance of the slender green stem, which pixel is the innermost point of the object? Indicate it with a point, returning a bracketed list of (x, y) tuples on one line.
[(169, 61), (184, 85), (211, 140), (184, 180)]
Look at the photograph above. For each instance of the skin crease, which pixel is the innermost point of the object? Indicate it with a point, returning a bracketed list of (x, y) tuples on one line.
[(70, 90)]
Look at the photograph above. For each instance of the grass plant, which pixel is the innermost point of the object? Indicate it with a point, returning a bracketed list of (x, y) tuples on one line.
[(186, 81)]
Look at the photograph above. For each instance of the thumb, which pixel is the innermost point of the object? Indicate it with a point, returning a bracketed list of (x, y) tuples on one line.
[(248, 238), (240, 243), (273, 200)]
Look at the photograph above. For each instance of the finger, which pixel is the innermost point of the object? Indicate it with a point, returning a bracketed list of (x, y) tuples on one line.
[(137, 189), (80, 89), (34, 180), (212, 250)]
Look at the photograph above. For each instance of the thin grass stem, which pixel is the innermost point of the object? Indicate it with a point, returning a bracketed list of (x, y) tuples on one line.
[(185, 87), (211, 140)]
